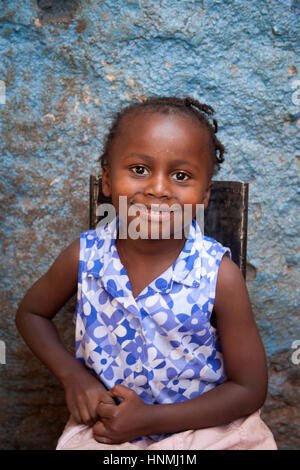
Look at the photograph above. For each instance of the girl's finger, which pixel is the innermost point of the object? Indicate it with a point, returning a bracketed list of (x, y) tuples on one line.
[(102, 440), (123, 392), (92, 407), (100, 430), (105, 410), (100, 433), (75, 413), (85, 415)]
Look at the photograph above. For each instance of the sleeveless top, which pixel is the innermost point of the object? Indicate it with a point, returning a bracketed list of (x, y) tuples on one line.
[(161, 343)]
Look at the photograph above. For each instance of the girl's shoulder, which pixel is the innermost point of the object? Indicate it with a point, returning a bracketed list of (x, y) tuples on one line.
[(93, 238), (211, 248), (50, 292), (99, 234), (68, 260), (94, 244)]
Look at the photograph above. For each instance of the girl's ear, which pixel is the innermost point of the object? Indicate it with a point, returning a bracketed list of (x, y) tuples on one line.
[(106, 188), (207, 194)]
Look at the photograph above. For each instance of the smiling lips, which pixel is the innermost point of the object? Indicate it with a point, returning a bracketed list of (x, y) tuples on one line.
[(154, 212)]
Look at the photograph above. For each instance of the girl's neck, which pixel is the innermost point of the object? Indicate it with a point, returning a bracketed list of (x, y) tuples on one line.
[(145, 260), (144, 248)]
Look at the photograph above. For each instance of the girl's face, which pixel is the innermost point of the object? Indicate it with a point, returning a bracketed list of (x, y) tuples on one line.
[(158, 159)]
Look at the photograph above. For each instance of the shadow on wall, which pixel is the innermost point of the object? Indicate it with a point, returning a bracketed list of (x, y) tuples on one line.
[(56, 11), (296, 6)]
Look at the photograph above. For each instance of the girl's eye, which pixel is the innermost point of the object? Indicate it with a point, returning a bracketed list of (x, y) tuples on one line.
[(140, 170), (181, 176)]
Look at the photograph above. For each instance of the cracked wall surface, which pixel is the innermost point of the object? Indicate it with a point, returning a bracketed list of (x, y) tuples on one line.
[(65, 68)]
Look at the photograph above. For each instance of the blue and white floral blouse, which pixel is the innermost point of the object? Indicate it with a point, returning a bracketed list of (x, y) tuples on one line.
[(161, 343)]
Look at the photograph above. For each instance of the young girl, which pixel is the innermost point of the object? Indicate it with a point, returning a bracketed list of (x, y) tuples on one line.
[(151, 372)]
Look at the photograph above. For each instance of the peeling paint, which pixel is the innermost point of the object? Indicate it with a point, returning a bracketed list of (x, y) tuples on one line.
[(292, 70), (110, 78), (56, 180)]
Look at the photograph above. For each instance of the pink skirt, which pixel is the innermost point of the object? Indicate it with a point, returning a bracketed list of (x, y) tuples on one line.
[(248, 433)]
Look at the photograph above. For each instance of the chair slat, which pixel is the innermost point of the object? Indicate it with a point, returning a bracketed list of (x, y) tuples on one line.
[(226, 218)]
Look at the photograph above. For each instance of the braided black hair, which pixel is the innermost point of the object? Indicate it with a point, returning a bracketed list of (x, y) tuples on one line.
[(170, 105)]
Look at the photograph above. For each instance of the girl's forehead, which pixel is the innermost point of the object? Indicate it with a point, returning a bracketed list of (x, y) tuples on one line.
[(168, 139), (155, 127)]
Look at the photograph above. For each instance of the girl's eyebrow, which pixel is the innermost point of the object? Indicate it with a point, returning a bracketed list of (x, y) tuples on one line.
[(184, 162), (140, 155), (150, 159)]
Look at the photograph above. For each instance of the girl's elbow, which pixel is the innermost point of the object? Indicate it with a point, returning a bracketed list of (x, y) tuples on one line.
[(18, 319), (17, 316), (263, 395), (252, 394), (257, 396)]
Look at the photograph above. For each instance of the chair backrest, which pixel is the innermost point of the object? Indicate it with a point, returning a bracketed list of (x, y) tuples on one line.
[(225, 218)]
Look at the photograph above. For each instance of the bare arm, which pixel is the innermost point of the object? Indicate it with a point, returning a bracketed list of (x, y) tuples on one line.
[(34, 322), (41, 303), (243, 392)]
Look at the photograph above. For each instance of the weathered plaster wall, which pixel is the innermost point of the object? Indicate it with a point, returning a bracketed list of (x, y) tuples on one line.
[(67, 67)]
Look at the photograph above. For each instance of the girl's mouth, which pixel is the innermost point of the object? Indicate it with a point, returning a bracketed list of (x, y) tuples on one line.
[(154, 212)]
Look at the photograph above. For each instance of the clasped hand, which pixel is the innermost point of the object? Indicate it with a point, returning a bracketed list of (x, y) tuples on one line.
[(124, 422)]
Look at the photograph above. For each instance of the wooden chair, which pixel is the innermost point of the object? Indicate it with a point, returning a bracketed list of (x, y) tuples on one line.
[(225, 218)]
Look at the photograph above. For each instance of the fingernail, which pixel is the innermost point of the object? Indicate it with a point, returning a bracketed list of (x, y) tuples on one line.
[(103, 441)]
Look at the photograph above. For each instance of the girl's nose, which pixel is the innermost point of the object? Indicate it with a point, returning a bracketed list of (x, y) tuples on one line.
[(158, 186)]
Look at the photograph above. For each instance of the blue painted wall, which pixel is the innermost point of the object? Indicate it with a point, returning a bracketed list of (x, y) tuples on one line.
[(67, 67)]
